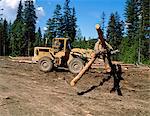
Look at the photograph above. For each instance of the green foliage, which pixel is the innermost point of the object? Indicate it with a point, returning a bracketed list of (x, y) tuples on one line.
[(115, 32), (131, 15), (62, 24), (19, 38), (30, 25), (17, 33), (66, 25), (137, 18), (6, 49), (73, 25), (50, 32), (54, 25), (4, 40), (102, 23), (22, 31), (129, 53), (1, 38), (20, 12), (57, 21), (83, 43), (38, 38), (145, 30)]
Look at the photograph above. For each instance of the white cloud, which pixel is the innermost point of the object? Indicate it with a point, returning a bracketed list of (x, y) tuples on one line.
[(10, 9), (40, 11), (10, 3), (44, 28)]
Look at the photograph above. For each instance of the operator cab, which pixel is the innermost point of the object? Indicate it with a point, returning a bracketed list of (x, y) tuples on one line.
[(61, 50)]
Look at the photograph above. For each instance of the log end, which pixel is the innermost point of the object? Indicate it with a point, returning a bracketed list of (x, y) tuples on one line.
[(72, 83), (97, 26)]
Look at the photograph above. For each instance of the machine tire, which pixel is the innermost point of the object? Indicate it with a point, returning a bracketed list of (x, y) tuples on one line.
[(45, 64), (76, 65)]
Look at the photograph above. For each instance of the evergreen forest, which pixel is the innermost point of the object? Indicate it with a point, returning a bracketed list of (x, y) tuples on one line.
[(130, 36)]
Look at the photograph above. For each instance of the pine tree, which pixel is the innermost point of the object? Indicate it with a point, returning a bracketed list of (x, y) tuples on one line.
[(132, 20), (79, 36), (102, 23), (131, 15), (5, 38), (62, 25), (111, 32), (66, 25), (144, 31), (115, 32), (119, 28), (145, 17), (9, 37), (38, 41), (1, 38), (73, 30), (78, 39), (44, 40), (57, 18), (30, 22), (17, 37), (54, 25), (137, 15), (50, 32)]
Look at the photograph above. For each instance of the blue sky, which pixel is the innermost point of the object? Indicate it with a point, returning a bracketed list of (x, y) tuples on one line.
[(88, 12)]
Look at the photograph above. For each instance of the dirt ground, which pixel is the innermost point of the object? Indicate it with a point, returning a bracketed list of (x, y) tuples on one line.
[(26, 91)]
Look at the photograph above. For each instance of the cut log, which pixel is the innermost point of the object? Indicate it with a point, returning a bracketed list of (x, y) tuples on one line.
[(73, 82), (100, 36), (22, 59)]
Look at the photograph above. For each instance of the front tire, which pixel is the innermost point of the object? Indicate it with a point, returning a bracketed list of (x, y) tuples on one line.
[(76, 65), (45, 64)]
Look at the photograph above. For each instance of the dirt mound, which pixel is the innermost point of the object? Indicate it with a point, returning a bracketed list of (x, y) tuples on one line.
[(26, 91)]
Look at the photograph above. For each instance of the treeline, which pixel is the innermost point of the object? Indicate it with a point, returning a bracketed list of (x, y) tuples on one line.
[(62, 23), (131, 36), (134, 42), (135, 46), (20, 37)]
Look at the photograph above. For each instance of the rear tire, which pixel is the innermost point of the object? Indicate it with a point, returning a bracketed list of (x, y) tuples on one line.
[(45, 64), (76, 65)]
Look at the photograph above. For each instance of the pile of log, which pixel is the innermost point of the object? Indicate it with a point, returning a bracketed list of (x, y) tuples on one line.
[(21, 59), (85, 52)]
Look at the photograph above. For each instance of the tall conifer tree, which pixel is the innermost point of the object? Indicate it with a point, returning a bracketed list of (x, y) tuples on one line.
[(5, 38), (144, 31), (66, 25), (30, 22), (1, 37), (57, 20), (131, 15), (50, 33), (17, 39), (115, 32), (38, 41), (102, 23), (73, 30), (132, 21)]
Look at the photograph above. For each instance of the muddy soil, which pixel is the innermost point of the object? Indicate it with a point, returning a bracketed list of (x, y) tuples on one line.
[(26, 91)]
